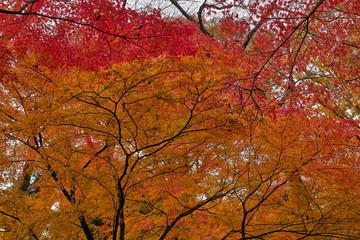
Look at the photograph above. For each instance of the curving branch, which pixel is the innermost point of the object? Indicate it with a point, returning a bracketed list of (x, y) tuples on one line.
[(201, 24), (199, 14)]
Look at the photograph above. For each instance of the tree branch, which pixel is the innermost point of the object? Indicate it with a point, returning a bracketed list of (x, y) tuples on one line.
[(183, 12), (191, 210)]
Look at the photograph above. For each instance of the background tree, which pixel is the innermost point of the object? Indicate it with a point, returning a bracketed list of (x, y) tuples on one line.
[(118, 123)]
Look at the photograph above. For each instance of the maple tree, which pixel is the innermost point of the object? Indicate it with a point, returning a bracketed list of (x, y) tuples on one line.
[(227, 120)]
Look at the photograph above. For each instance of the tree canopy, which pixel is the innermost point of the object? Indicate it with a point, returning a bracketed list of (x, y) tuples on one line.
[(179, 120)]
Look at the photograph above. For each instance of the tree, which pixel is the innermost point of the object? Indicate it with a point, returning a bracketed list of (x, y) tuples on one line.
[(118, 123)]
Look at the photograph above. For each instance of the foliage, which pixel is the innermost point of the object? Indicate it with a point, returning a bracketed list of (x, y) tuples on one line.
[(125, 123)]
